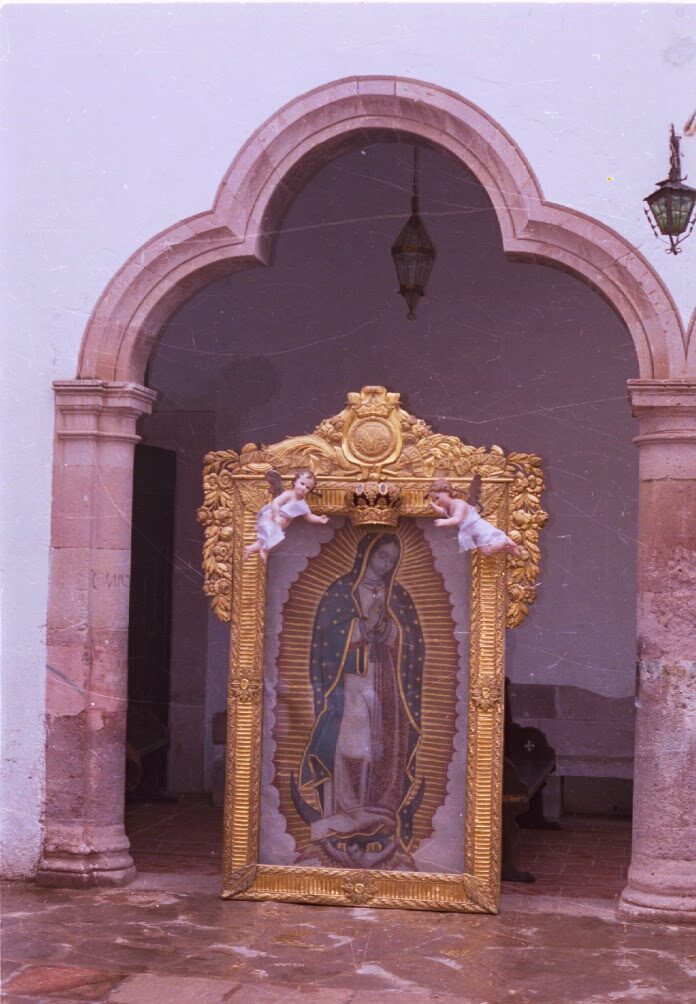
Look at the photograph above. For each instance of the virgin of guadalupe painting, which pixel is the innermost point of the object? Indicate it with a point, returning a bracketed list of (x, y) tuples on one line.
[(370, 678), (366, 671)]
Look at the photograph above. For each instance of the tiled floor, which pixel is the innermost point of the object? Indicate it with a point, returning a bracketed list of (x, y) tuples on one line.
[(586, 858), (168, 937), (181, 836)]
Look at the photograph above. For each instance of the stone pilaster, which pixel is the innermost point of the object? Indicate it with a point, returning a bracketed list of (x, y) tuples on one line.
[(87, 632), (662, 876)]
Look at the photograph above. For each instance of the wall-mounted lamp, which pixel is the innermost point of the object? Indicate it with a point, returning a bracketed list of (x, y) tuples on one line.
[(672, 204)]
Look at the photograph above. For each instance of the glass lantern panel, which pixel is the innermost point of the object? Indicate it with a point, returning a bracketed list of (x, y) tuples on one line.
[(682, 206), (405, 269), (413, 269), (423, 266), (659, 211)]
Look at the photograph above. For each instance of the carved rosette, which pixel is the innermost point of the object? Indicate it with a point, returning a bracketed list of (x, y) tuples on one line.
[(360, 889), (244, 690), (373, 439), (486, 694)]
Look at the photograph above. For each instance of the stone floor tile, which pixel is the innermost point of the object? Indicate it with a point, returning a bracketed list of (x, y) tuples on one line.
[(8, 968), (264, 993), (75, 982), (148, 988), (390, 997)]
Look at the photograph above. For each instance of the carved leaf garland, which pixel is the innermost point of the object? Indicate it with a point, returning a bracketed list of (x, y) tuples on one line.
[(423, 454)]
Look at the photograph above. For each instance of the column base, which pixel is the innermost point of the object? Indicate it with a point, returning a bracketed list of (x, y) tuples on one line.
[(657, 909), (79, 857), (82, 874), (660, 891)]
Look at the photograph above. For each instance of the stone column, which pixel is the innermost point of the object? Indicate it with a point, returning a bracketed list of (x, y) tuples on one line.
[(662, 877), (87, 632)]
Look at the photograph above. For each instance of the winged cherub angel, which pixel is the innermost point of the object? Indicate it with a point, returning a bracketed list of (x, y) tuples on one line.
[(474, 530), (276, 516)]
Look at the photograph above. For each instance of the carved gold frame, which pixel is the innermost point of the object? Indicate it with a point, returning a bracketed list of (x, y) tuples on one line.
[(372, 440)]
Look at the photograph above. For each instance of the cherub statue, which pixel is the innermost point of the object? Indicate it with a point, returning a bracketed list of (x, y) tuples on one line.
[(474, 530), (276, 516)]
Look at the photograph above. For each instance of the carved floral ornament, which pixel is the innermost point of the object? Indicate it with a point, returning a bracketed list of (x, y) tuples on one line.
[(359, 889), (486, 694), (245, 690), (372, 440)]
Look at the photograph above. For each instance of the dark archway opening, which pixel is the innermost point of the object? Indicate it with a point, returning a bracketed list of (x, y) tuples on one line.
[(525, 356), (150, 622)]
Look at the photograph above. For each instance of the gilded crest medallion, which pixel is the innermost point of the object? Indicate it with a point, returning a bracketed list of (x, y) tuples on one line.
[(372, 431)]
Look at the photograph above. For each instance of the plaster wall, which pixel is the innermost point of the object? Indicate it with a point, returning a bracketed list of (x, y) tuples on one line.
[(121, 120)]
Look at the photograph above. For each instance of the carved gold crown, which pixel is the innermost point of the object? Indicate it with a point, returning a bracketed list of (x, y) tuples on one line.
[(375, 502)]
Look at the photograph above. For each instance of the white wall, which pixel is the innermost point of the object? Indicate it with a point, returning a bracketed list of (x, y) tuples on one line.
[(118, 121)]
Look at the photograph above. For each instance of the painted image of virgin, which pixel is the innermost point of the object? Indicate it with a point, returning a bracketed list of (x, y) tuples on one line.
[(357, 785)]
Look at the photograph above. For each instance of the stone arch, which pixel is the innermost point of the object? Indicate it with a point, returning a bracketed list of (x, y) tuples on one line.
[(277, 160), (691, 346)]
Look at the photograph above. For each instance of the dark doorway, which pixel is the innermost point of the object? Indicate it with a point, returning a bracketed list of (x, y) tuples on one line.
[(152, 550)]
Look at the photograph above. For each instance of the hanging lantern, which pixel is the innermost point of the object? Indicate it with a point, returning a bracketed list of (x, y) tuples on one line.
[(413, 252), (672, 204)]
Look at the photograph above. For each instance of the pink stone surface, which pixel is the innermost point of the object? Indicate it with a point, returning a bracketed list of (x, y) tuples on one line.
[(148, 989), (690, 366), (77, 982), (662, 876), (87, 627)]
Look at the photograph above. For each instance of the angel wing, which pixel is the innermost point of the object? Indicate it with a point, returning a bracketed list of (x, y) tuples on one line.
[(473, 496), (690, 126), (275, 481)]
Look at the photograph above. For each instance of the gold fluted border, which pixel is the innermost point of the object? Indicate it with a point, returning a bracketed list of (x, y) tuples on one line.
[(475, 890), (354, 887), (484, 762), (244, 701), (421, 455)]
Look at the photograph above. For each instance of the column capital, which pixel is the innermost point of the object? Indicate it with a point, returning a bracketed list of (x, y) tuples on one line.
[(96, 409), (96, 421), (676, 396), (666, 411)]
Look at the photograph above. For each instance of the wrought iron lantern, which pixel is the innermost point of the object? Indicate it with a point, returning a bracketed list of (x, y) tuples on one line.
[(413, 252), (672, 204)]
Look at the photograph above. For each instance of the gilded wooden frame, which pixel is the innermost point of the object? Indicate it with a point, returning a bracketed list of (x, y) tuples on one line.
[(373, 440)]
